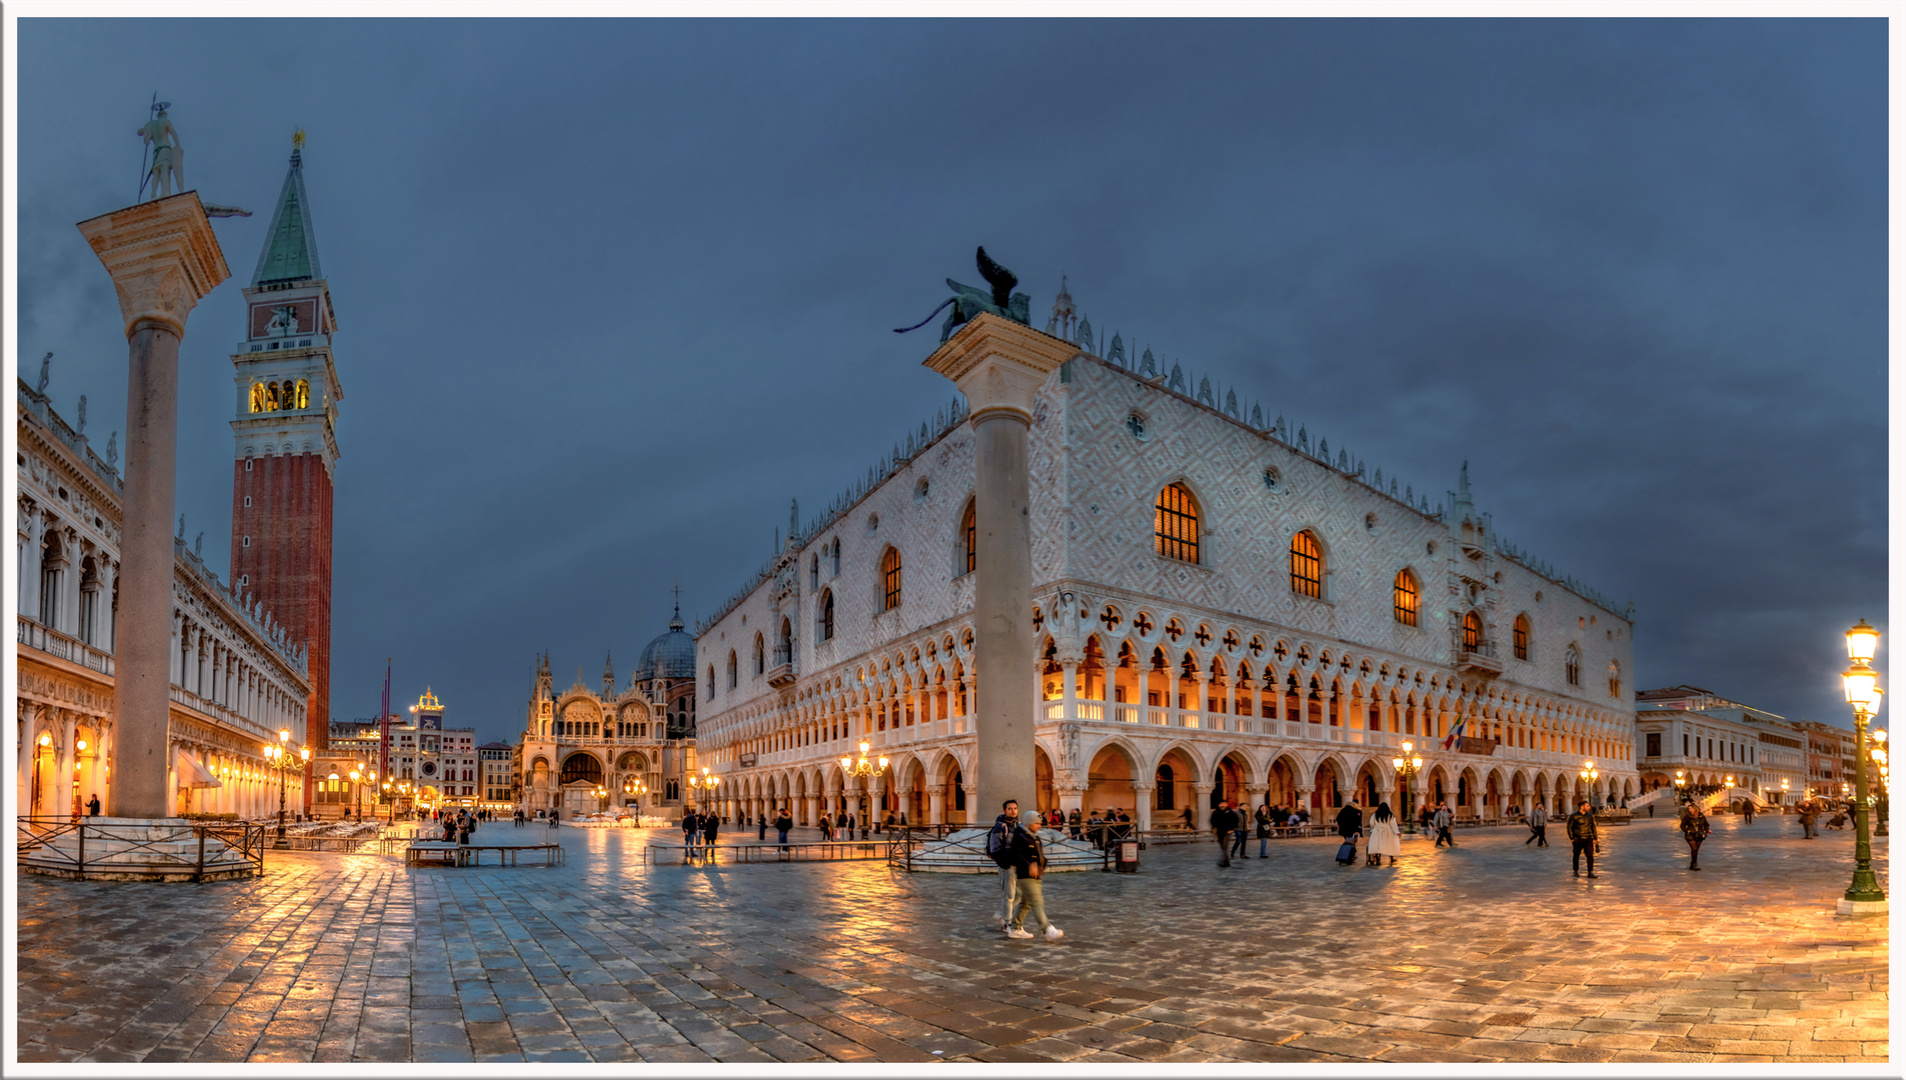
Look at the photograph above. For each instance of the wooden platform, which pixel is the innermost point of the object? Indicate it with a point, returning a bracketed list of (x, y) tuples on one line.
[(439, 852)]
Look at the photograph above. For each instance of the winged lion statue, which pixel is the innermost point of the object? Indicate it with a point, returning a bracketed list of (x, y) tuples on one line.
[(968, 301)]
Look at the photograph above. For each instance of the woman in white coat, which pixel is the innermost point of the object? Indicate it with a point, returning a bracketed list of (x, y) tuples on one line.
[(1385, 839)]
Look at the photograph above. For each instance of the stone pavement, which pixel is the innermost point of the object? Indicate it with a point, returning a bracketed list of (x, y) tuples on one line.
[(1490, 952)]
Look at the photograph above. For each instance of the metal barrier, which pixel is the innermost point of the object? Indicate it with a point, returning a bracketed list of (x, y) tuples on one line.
[(36, 835), (819, 851)]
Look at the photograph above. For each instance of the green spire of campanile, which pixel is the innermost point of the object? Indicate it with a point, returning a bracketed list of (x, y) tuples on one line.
[(291, 247)]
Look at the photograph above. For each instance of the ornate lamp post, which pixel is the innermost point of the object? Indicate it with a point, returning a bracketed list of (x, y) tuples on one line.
[(1680, 787), (280, 758), (707, 782), (1863, 693), (635, 787), (1589, 774), (1406, 767), (863, 767), (390, 804)]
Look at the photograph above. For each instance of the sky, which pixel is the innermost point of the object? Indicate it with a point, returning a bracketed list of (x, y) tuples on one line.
[(611, 293)]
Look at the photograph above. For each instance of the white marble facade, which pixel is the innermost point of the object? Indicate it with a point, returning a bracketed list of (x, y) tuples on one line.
[(1164, 679), (236, 679)]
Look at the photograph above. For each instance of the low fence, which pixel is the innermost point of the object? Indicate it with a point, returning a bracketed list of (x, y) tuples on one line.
[(42, 839), (812, 851)]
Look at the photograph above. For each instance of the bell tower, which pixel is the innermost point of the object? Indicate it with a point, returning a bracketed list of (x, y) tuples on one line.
[(285, 440)]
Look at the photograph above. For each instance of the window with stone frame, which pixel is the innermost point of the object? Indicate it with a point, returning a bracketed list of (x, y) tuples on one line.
[(1175, 524), (1572, 666), (1307, 565), (969, 534), (1521, 638), (827, 615), (890, 579), (1403, 599), (1472, 632)]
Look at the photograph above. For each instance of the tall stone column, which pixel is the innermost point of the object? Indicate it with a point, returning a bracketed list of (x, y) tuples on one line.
[(163, 259), (1000, 365), (1143, 795)]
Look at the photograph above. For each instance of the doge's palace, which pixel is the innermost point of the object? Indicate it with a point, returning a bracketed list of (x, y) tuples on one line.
[(1223, 610)]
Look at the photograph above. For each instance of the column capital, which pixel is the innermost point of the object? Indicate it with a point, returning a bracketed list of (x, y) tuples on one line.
[(163, 258), (999, 364)]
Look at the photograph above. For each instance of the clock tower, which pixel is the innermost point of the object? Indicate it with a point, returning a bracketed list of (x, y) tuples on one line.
[(286, 441)]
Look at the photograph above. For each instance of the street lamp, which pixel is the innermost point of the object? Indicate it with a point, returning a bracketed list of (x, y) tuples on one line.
[(1863, 693), (863, 768), (1680, 787), (707, 781), (1589, 774), (279, 757), (1406, 767)]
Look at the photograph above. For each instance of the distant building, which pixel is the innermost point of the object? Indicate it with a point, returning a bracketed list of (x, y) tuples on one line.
[(582, 750), (494, 788), (1707, 738)]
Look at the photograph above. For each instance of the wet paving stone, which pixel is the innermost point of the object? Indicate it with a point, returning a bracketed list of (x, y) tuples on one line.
[(1488, 952)]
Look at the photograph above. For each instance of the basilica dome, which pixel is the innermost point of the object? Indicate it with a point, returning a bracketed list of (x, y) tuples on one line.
[(669, 656)]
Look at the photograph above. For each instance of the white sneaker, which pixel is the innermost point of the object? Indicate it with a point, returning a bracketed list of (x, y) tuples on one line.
[(1053, 933), (1015, 932)]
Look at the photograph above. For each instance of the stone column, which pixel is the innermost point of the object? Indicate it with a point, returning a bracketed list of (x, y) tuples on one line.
[(1144, 795), (1253, 798), (1303, 799), (67, 758), (32, 535), (1000, 365), (973, 815), (1200, 805), (936, 807), (163, 259)]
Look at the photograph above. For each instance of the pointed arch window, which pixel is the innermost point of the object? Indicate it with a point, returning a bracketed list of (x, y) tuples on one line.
[(271, 397), (835, 558), (760, 655), (969, 533), (1307, 565), (1404, 597), (1175, 524), (1572, 666), (1522, 637), (1614, 678), (1472, 632), (827, 615), (304, 394), (734, 670), (890, 579)]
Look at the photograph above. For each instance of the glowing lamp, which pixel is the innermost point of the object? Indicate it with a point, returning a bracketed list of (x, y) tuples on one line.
[(1862, 641)]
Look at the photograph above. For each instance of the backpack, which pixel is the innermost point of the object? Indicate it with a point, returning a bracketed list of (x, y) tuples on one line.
[(999, 843)]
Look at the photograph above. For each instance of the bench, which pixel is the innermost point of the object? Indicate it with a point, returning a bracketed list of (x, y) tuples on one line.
[(447, 854)]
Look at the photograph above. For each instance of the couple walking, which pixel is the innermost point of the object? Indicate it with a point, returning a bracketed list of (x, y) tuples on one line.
[(1014, 844), (1385, 836)]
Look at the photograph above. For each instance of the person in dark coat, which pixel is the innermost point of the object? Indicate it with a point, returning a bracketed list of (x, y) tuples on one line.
[(1807, 817), (92, 806), (782, 823), (1694, 829), (1224, 822), (1350, 824), (1538, 826), (1583, 837), (711, 825)]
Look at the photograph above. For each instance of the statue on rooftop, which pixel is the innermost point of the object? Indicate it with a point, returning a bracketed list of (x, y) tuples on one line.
[(968, 301), (168, 153), (46, 374)]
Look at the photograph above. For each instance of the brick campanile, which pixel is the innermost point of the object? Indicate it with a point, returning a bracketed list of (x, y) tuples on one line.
[(286, 442)]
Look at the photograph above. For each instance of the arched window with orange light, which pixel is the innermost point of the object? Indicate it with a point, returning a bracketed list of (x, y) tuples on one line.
[(1522, 637), (1175, 524), (1307, 565), (890, 579), (1472, 632), (1404, 598)]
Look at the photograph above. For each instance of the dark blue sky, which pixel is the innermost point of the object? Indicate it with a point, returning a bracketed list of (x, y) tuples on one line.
[(610, 293)]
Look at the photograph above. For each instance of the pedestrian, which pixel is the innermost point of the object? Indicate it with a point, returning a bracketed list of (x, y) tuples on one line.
[(1807, 817), (782, 823), (761, 833), (1264, 822), (1350, 828), (1651, 809), (1073, 821), (1240, 838), (1028, 864), (1583, 838), (999, 846), (691, 830), (1095, 829), (1747, 810), (1224, 822), (1694, 829), (92, 806), (1190, 820), (1424, 816), (711, 825), (1538, 826), (1442, 819), (1385, 837)]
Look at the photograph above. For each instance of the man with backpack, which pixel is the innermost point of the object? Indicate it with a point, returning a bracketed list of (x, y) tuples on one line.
[(999, 846)]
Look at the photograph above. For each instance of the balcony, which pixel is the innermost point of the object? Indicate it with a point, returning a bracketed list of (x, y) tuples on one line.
[(1481, 659), (71, 649), (782, 672)]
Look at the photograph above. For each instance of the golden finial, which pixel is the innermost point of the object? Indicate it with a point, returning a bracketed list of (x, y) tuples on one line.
[(297, 139)]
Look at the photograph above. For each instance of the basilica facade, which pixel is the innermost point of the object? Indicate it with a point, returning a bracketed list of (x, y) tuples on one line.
[(1223, 610), (586, 750)]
